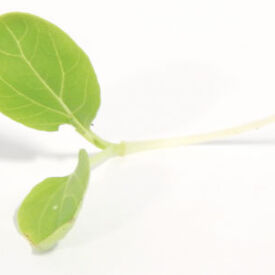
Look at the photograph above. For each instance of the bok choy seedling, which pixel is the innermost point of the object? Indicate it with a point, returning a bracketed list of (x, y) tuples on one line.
[(46, 80)]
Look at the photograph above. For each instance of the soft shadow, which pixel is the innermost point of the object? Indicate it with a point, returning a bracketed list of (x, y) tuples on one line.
[(242, 142), (14, 149), (11, 148)]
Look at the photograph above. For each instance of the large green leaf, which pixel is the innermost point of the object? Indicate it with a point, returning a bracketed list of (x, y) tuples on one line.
[(45, 79), (50, 209)]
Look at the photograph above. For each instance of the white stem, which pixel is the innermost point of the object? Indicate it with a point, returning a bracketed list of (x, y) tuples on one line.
[(103, 155), (139, 146)]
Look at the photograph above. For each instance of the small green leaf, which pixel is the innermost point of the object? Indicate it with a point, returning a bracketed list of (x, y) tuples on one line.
[(46, 80), (50, 209)]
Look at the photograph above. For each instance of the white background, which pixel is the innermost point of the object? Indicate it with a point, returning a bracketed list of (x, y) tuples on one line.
[(166, 68)]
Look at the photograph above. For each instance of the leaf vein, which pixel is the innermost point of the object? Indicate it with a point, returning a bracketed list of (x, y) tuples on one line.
[(75, 64), (60, 65), (37, 40), (25, 32), (30, 99), (16, 108), (32, 115), (84, 97), (9, 54)]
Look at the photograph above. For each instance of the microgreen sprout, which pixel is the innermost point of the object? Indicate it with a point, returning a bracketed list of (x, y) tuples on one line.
[(46, 80)]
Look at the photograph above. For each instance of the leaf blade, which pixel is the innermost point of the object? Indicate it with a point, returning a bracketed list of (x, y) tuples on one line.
[(50, 209), (42, 66)]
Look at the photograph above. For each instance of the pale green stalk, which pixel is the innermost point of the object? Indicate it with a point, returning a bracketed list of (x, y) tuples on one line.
[(94, 138), (139, 146), (104, 155), (126, 148)]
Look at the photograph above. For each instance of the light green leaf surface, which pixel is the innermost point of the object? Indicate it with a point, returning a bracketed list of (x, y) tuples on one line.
[(50, 209), (46, 80)]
